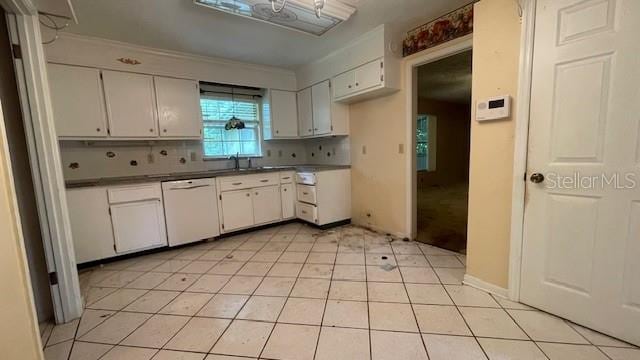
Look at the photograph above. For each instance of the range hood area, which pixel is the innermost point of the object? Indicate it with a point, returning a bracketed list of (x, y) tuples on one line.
[(298, 15)]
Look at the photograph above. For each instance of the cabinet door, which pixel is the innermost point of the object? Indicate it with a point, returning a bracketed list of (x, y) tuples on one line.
[(78, 101), (344, 84), (369, 75), (237, 210), (321, 100), (178, 107), (305, 113), (267, 204), (284, 114), (138, 225), (131, 105), (288, 196), (90, 224)]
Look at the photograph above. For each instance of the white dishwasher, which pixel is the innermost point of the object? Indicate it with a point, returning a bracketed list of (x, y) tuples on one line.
[(191, 210)]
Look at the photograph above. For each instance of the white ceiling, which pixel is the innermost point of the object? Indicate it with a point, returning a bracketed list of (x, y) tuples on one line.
[(448, 79), (180, 25)]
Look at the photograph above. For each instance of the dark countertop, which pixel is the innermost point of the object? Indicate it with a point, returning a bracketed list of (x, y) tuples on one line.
[(70, 184)]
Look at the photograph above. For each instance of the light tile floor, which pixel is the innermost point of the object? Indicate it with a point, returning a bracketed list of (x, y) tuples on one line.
[(293, 292)]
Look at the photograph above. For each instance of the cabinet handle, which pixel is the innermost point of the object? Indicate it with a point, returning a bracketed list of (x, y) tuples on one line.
[(164, 130), (264, 181), (98, 129), (150, 130), (285, 190), (236, 184), (277, 131), (286, 178), (248, 194), (357, 84), (305, 193), (304, 212), (349, 86)]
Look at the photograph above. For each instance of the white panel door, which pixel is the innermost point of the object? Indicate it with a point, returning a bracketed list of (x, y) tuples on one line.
[(178, 107), (90, 224), (288, 196), (267, 205), (237, 210), (581, 251), (305, 113), (78, 101), (369, 75), (138, 225), (131, 104), (321, 100), (344, 84), (284, 114)]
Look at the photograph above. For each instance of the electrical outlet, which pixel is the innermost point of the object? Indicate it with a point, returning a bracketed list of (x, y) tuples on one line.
[(400, 148), (193, 156), (364, 149), (279, 153), (150, 158), (269, 153)]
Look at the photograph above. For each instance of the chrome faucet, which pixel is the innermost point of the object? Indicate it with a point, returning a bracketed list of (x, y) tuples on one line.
[(236, 161)]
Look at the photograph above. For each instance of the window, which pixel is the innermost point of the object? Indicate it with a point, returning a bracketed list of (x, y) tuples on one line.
[(217, 109), (426, 143)]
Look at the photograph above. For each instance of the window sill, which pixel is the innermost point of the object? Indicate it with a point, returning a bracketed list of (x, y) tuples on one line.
[(227, 158)]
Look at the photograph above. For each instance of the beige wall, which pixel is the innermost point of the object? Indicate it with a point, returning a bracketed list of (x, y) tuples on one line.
[(496, 49), (19, 337), (379, 124)]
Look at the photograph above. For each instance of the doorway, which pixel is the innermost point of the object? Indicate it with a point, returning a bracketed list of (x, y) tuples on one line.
[(442, 137)]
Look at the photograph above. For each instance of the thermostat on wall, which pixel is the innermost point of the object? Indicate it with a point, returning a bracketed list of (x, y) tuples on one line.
[(494, 108)]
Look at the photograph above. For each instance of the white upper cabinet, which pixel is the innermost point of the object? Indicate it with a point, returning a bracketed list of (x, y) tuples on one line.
[(363, 82), (369, 76), (321, 100), (305, 113), (131, 104), (178, 108), (284, 114), (78, 101), (344, 84)]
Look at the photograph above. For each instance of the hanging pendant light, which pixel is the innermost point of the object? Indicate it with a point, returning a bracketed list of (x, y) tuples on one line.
[(234, 122), (318, 5)]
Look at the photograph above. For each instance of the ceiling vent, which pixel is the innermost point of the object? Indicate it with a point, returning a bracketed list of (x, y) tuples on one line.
[(297, 15)]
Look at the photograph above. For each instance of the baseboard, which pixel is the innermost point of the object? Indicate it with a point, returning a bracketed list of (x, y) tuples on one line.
[(485, 286), (379, 230)]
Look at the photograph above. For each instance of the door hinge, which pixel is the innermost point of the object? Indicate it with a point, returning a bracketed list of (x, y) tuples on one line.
[(381, 78), (53, 278), (17, 51), (525, 177), (222, 226), (114, 248), (108, 131), (109, 211), (381, 64), (331, 127), (100, 75), (220, 197)]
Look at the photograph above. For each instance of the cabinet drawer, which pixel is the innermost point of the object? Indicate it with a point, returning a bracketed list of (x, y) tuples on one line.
[(134, 193), (307, 212), (307, 194), (249, 181), (286, 178)]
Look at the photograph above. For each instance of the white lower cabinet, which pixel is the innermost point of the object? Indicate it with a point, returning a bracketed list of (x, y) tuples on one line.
[(90, 224), (237, 210), (288, 197), (267, 205), (138, 226)]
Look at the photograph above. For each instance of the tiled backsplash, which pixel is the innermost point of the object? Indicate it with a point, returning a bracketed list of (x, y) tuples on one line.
[(88, 160)]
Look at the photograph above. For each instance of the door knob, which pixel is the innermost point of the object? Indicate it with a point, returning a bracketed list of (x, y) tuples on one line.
[(536, 178)]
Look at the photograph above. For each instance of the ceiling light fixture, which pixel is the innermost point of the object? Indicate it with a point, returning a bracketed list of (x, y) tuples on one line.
[(318, 5), (310, 16)]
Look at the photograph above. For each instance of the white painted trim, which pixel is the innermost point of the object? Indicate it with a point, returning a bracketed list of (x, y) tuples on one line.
[(485, 286), (411, 63), (25, 7), (46, 166), (520, 149)]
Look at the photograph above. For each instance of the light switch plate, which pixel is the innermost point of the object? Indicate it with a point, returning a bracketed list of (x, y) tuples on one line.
[(401, 148)]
